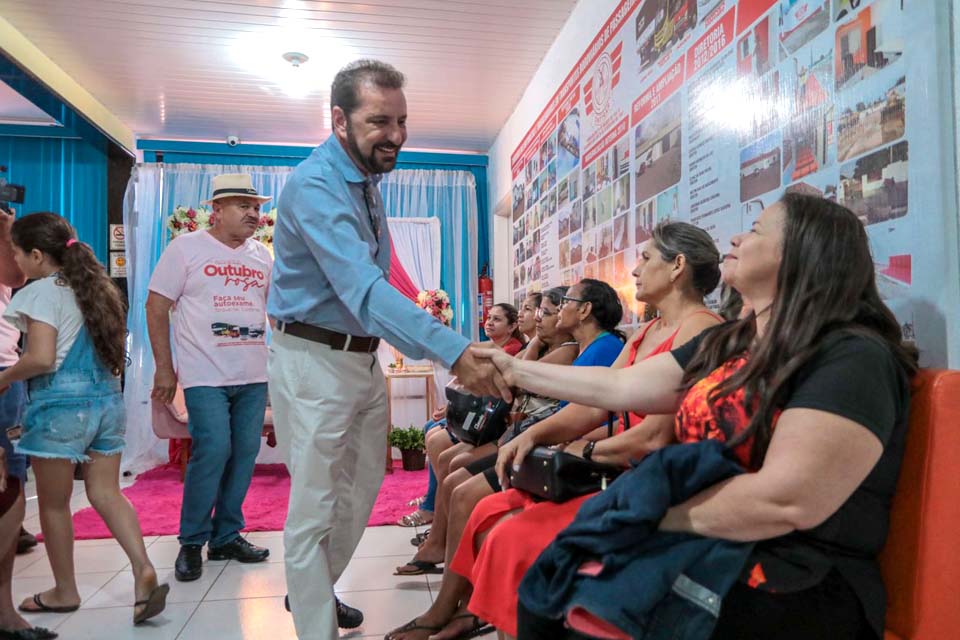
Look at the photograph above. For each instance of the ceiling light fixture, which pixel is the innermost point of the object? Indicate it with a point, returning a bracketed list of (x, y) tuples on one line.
[(295, 58)]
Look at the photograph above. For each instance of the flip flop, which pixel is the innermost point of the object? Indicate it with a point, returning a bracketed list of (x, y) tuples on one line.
[(411, 626), (31, 633), (418, 539), (41, 607), (153, 605), (479, 627), (423, 567)]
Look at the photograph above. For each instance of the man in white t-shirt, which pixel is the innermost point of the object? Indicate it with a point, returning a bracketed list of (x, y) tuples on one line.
[(215, 283)]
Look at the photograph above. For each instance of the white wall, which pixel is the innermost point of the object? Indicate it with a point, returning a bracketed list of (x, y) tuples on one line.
[(584, 22)]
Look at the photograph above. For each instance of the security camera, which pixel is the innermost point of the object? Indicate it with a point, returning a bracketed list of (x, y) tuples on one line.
[(233, 141)]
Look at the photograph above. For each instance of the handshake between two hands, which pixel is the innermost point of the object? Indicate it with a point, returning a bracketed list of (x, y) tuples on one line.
[(485, 370)]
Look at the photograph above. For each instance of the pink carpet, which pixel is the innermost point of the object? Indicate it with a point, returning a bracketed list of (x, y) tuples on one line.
[(156, 497)]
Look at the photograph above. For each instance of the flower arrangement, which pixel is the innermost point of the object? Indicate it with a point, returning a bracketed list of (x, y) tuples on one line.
[(436, 302), (189, 219)]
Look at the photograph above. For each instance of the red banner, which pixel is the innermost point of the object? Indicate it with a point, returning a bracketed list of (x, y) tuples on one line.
[(607, 141), (665, 86), (603, 38), (710, 44)]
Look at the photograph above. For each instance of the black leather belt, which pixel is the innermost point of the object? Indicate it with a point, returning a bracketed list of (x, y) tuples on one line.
[(336, 340)]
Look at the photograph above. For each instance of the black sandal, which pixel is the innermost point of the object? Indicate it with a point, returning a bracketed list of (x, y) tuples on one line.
[(44, 608), (423, 567), (153, 605), (479, 627), (411, 626)]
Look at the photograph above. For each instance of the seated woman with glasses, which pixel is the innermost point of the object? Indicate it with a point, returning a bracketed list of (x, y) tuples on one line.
[(677, 268), (551, 344)]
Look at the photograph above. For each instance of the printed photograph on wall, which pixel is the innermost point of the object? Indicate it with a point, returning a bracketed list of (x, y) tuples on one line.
[(875, 186), (548, 150), (645, 219), (620, 157), (576, 248), (568, 143), (589, 180), (668, 205), (808, 76), (801, 21), (563, 223), (660, 24), (761, 105), (620, 236), (589, 214), (605, 244), (604, 201), (760, 167), (563, 193), (564, 253), (869, 42), (871, 116), (808, 144), (519, 204), (658, 150), (590, 246), (576, 216), (621, 194), (758, 50)]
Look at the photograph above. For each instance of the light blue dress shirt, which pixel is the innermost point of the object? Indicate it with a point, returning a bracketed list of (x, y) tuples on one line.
[(331, 268)]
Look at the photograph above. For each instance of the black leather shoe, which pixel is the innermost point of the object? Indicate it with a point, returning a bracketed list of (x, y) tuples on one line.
[(347, 616), (239, 550), (26, 541), (189, 565)]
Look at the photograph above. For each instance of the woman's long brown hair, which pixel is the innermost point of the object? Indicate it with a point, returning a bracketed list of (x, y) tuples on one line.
[(825, 284), (100, 301)]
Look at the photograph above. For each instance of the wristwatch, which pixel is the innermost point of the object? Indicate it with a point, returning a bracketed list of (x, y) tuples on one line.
[(588, 450)]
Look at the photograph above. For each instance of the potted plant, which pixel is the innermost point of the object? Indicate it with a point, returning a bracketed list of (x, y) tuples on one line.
[(411, 444)]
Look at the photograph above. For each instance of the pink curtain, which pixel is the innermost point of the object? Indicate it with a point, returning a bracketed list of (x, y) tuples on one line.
[(399, 277)]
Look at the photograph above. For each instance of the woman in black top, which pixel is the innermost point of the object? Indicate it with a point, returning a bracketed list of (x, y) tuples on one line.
[(811, 390)]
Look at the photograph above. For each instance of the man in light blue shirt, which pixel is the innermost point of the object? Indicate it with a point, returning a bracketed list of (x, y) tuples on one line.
[(332, 303)]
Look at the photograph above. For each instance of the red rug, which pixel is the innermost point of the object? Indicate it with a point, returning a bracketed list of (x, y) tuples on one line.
[(156, 496)]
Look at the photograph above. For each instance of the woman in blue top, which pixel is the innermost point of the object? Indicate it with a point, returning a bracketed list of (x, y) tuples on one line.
[(590, 311)]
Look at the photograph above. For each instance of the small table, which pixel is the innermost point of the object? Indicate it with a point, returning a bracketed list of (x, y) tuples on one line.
[(423, 371)]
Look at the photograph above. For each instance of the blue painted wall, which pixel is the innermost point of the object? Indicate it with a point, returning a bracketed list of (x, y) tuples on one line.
[(64, 175)]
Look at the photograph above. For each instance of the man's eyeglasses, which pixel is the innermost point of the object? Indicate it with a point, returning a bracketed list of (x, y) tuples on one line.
[(565, 299)]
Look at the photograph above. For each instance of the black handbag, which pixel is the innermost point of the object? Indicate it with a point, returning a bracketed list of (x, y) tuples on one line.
[(474, 419), (559, 476)]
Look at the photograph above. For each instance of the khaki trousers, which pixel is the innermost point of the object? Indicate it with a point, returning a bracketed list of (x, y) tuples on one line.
[(330, 418)]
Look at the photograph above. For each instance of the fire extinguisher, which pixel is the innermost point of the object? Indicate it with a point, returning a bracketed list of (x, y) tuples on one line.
[(484, 297)]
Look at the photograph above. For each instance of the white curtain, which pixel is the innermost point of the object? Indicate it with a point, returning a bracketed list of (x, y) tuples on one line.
[(417, 243), (451, 197), (146, 237)]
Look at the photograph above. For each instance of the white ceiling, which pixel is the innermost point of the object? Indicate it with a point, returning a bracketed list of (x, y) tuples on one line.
[(206, 69)]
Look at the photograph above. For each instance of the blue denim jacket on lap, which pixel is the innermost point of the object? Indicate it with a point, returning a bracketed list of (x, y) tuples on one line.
[(653, 584)]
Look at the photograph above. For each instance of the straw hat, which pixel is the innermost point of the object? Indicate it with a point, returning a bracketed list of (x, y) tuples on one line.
[(229, 185)]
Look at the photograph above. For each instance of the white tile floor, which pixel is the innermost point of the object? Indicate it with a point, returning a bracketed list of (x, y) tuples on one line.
[(231, 601)]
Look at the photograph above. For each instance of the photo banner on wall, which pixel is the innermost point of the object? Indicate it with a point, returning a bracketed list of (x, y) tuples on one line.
[(708, 111)]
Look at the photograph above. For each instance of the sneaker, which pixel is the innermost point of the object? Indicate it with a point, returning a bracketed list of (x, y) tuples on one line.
[(26, 541), (189, 564), (240, 550), (347, 616)]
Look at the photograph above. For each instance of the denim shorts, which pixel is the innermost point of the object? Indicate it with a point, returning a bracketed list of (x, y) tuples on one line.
[(70, 419)]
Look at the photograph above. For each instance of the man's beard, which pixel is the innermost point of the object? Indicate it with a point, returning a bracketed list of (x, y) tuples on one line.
[(369, 162)]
